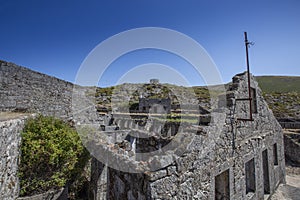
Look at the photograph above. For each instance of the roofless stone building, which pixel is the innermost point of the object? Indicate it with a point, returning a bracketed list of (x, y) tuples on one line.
[(226, 159), (229, 159)]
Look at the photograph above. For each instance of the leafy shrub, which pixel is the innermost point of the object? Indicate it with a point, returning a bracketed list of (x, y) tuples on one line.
[(52, 155)]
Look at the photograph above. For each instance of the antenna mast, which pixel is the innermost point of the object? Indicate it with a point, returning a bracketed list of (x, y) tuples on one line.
[(247, 43), (249, 98)]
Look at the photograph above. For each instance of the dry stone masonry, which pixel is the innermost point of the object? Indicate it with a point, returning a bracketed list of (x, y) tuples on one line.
[(11, 125), (23, 90), (223, 158), (229, 159)]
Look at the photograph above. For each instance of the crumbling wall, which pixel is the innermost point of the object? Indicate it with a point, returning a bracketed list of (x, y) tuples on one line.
[(127, 186), (238, 143), (24, 90), (98, 181), (213, 165), (217, 152), (10, 138), (155, 105)]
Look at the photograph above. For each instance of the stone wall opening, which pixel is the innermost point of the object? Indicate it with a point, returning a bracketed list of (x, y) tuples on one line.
[(266, 172), (253, 100), (275, 155), (222, 190), (250, 176)]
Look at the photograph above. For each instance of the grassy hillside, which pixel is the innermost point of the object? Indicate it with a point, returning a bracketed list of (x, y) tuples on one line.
[(282, 93), (279, 84)]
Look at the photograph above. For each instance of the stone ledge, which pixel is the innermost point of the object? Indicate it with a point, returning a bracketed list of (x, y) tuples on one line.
[(60, 194), (5, 116)]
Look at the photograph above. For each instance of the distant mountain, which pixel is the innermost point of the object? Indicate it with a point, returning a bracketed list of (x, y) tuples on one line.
[(279, 84)]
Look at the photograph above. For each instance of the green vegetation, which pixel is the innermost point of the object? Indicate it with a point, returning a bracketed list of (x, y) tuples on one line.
[(284, 105), (52, 155), (202, 94), (104, 95), (104, 91), (282, 94), (270, 84)]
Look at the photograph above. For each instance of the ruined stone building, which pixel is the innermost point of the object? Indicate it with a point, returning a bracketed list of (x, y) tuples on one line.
[(229, 159), (162, 106), (226, 158)]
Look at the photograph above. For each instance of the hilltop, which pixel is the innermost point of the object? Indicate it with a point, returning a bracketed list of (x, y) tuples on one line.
[(282, 94), (131, 93), (279, 84)]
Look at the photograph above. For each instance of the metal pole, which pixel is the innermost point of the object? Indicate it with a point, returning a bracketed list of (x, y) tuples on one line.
[(248, 73)]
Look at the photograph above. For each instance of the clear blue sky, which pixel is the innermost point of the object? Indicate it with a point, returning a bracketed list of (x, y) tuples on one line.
[(54, 37)]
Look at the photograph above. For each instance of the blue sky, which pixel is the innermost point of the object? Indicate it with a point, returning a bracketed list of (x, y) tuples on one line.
[(54, 37)]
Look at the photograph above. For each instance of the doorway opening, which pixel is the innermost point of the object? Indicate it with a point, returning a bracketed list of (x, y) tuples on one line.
[(250, 176), (222, 191), (265, 163)]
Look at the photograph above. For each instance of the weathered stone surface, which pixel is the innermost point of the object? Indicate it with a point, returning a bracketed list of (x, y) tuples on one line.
[(22, 90), (153, 176), (292, 147), (126, 185), (61, 194), (223, 146), (220, 149), (10, 139)]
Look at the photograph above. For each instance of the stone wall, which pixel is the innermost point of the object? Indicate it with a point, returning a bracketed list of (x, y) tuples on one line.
[(292, 147), (127, 186), (10, 138), (229, 159), (98, 181), (211, 167), (24, 90), (290, 125), (59, 194), (162, 106)]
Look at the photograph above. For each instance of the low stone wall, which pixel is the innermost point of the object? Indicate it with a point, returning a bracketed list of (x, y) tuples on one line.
[(290, 125), (10, 139), (61, 194)]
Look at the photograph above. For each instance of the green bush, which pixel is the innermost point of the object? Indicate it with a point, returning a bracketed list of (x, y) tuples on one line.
[(52, 155)]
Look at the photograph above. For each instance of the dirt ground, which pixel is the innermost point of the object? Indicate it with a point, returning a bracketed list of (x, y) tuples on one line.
[(290, 190)]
